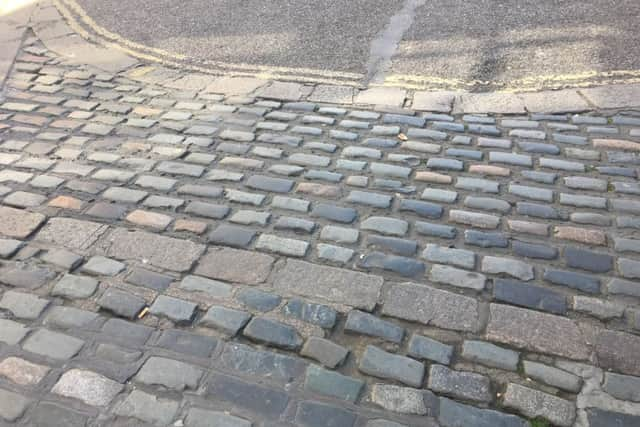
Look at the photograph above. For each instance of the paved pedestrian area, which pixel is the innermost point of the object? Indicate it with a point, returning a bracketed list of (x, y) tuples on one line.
[(178, 257)]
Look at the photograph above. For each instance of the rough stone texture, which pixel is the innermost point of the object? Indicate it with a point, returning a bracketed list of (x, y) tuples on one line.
[(271, 332), (149, 408), (234, 265), (53, 344), (533, 403), (22, 371), (17, 223), (617, 350), (169, 373), (324, 351), (454, 414), (490, 355), (11, 332), (536, 331), (381, 364), (459, 384), (329, 284), (12, 405), (431, 306), (404, 400), (89, 387), (552, 376), (160, 251), (333, 384)]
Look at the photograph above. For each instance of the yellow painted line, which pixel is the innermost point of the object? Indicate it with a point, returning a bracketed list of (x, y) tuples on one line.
[(407, 81), (89, 22), (584, 79)]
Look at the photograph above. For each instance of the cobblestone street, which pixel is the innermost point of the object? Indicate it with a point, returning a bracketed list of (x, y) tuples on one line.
[(174, 254)]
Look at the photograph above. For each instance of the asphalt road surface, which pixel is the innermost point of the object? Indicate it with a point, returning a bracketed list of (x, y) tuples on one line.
[(444, 43)]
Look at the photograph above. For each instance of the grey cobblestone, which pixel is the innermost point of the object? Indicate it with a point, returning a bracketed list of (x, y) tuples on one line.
[(350, 168)]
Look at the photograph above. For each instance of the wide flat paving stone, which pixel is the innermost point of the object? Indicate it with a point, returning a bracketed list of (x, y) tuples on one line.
[(71, 233), (235, 265), (160, 251), (331, 284)]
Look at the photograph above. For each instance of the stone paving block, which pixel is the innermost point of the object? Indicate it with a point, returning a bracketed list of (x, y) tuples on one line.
[(624, 387), (149, 279), (87, 386), (11, 333), (128, 333), (552, 376), (533, 403), (332, 384), (159, 251), (404, 266), (169, 373), (187, 343), (12, 405), (490, 355), (63, 258), (148, 408), (8, 247), (531, 296), (456, 277), (454, 414), (235, 266), (53, 344), (616, 351), (318, 314), (327, 284), (23, 305), (554, 334), (22, 372), (210, 287), (176, 310), (69, 317), (262, 364), (404, 400), (316, 414), (460, 384), (51, 415), (381, 364), (269, 403), (271, 332), (281, 245), (75, 287), (431, 306), (511, 267), (426, 348), (367, 324), (227, 320), (17, 223), (381, 96), (121, 303), (324, 351), (101, 266), (71, 233)]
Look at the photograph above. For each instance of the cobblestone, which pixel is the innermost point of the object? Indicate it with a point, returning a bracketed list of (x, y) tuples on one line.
[(464, 385), (458, 206), (381, 364)]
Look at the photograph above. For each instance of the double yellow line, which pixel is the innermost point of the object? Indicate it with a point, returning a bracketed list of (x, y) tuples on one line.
[(86, 27)]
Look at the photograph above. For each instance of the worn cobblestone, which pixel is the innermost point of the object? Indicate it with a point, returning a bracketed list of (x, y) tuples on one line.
[(518, 231)]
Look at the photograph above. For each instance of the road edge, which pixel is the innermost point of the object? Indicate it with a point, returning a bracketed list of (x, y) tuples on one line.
[(57, 28)]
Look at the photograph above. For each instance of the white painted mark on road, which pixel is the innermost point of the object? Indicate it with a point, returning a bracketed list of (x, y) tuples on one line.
[(384, 46)]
